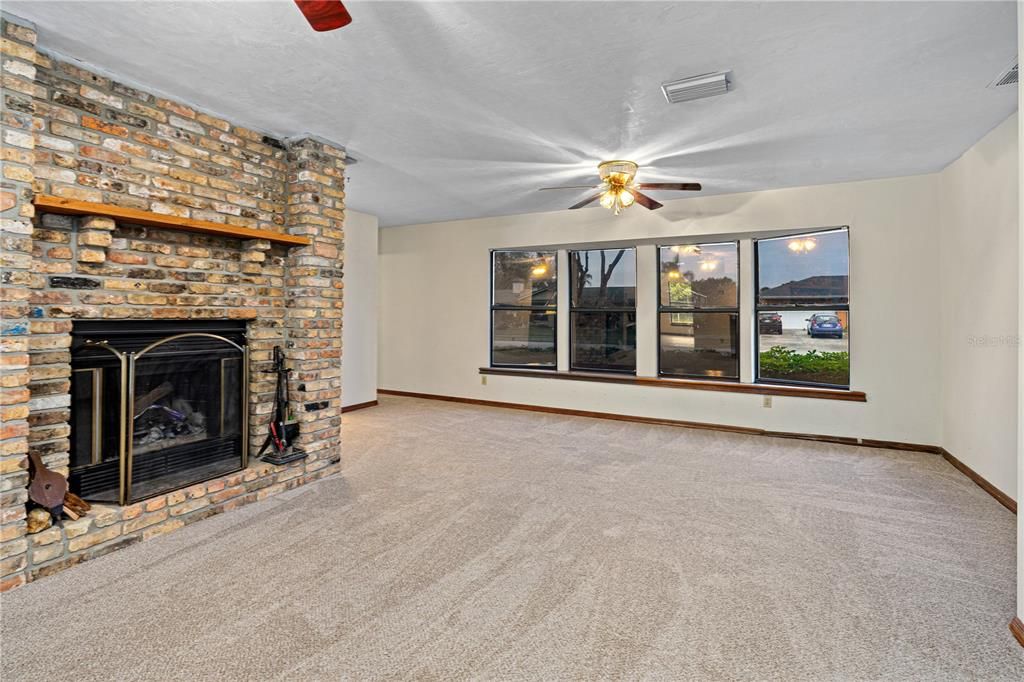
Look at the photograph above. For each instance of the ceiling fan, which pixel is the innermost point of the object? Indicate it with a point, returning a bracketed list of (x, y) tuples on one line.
[(618, 191), (324, 15)]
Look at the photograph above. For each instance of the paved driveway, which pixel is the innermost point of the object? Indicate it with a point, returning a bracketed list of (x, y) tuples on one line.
[(798, 340)]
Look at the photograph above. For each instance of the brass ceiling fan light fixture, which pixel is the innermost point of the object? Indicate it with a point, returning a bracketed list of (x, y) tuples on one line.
[(618, 177), (618, 189)]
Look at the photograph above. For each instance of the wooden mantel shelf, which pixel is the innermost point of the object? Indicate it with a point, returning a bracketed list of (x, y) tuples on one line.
[(52, 204)]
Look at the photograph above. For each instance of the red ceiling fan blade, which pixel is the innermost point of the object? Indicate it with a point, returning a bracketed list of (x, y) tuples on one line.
[(324, 15)]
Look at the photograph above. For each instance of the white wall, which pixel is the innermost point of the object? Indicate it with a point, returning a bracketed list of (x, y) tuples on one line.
[(434, 307), (359, 333), (1020, 316), (978, 246)]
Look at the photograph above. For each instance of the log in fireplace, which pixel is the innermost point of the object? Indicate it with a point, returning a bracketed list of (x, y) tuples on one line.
[(156, 406)]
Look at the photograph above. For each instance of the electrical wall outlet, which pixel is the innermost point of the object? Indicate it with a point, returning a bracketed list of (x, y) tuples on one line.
[(766, 401), (483, 379)]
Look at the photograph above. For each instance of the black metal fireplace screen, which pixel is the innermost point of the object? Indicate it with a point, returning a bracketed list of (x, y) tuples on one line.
[(156, 406)]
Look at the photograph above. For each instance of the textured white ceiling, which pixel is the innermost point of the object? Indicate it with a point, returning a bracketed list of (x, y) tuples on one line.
[(462, 110)]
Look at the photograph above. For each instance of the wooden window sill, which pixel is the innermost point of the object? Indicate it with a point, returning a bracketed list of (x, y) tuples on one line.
[(692, 384), (134, 216)]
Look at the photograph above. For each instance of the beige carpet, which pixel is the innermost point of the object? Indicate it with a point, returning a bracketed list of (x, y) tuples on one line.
[(477, 543)]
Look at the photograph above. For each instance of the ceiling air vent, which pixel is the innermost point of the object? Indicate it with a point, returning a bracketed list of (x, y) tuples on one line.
[(696, 87), (1008, 76)]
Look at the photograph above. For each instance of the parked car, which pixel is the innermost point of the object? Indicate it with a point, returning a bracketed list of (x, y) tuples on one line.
[(824, 325), (769, 323)]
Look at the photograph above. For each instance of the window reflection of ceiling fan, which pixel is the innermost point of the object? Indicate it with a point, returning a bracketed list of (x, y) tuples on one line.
[(618, 191), (324, 15)]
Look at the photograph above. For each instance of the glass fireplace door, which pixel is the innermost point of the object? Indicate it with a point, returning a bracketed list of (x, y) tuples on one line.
[(185, 414), (97, 437), (156, 405)]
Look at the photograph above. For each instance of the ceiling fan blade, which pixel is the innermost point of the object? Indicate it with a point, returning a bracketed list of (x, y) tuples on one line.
[(646, 201), (588, 200), (571, 187), (690, 186), (324, 15)]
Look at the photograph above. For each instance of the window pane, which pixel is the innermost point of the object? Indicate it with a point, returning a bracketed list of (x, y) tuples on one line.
[(524, 278), (699, 275), (603, 278), (699, 344), (805, 346), (604, 341), (523, 337), (810, 269)]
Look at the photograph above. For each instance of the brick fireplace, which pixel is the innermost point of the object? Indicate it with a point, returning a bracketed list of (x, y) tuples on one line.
[(75, 135), (156, 405)]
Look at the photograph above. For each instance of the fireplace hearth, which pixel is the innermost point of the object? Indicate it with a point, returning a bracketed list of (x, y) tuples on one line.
[(156, 406)]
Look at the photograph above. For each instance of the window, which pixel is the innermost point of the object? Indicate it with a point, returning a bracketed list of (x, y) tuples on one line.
[(698, 310), (524, 297), (602, 310), (803, 309)]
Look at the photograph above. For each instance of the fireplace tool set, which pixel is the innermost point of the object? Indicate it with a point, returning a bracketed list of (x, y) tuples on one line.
[(283, 428)]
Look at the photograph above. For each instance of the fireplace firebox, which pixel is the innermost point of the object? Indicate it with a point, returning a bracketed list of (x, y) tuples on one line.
[(156, 406)]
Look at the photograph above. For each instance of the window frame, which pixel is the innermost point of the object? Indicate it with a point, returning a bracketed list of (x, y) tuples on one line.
[(550, 309), (662, 308), (593, 309), (758, 309)]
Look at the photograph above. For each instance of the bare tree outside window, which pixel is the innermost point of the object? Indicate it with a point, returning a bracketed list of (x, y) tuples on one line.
[(603, 309)]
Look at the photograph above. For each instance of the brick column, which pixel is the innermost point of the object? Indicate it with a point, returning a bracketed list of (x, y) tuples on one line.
[(16, 212), (316, 209)]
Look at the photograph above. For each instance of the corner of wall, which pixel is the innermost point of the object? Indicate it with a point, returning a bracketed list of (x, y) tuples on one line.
[(360, 370), (1020, 320), (977, 224)]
